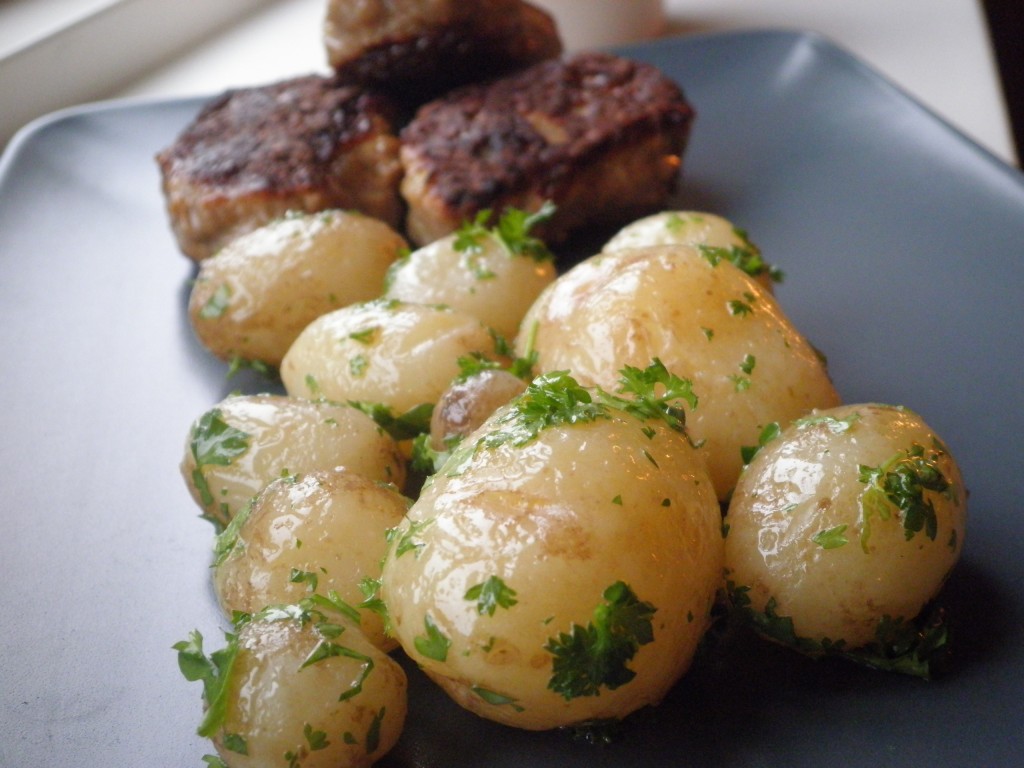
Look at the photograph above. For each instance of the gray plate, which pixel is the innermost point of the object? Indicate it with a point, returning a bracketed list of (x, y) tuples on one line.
[(902, 242)]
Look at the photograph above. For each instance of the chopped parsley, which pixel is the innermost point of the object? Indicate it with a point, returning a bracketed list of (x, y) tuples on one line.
[(557, 399), (433, 644), (217, 304), (366, 336), (739, 308), (913, 647), (404, 426), (215, 671), (834, 425), (833, 538), (491, 595), (214, 442), (585, 659), (496, 699), (512, 232), (901, 483), (767, 434), (747, 257)]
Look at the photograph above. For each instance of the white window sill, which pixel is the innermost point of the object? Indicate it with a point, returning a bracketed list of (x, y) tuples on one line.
[(58, 53)]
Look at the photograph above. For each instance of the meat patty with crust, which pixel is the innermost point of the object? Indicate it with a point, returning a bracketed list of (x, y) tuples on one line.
[(253, 154), (421, 48), (599, 135)]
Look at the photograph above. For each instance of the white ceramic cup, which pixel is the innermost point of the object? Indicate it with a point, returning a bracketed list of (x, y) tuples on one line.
[(596, 23)]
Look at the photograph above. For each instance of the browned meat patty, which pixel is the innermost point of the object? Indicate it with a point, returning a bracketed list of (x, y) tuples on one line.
[(421, 48), (600, 135), (253, 154)]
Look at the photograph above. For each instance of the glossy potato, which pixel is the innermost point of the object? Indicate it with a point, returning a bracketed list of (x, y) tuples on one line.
[(253, 297), (298, 689), (485, 280), (513, 549), (322, 532), (240, 446), (700, 229), (706, 320), (468, 403), (385, 352), (848, 516)]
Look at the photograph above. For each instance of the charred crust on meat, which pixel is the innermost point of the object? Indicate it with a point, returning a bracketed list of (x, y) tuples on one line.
[(273, 139), (538, 128), (253, 154)]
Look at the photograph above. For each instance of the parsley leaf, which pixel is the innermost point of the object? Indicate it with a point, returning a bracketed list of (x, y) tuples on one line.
[(512, 232), (433, 645), (496, 699), (215, 673), (214, 442), (768, 433), (217, 304), (405, 426), (916, 647), (490, 595), (587, 658), (901, 483), (656, 392), (552, 399), (833, 538)]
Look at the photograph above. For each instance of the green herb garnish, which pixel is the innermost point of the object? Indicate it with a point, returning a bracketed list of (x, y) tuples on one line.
[(595, 656), (490, 595)]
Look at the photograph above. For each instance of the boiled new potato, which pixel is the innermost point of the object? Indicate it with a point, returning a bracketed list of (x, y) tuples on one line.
[(323, 532), (561, 565), (468, 402), (387, 352), (253, 297), (304, 687), (241, 445), (481, 276), (705, 319), (850, 515), (719, 236)]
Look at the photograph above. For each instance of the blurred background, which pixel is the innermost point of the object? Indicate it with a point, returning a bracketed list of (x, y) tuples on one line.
[(59, 53)]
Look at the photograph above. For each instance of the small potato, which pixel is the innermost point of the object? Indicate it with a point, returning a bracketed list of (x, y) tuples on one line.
[(850, 515), (240, 446), (699, 229), (325, 531), (466, 404), (558, 569), (305, 687), (482, 278), (706, 320), (386, 352), (254, 296)]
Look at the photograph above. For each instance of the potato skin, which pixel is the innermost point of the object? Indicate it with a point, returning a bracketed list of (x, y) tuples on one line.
[(330, 524), (707, 321), (389, 352), (253, 297), (274, 697), (558, 521), (468, 403), (695, 228), (796, 525), (274, 435), (490, 283)]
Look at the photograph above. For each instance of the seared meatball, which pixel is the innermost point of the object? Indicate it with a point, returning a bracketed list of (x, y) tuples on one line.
[(599, 135), (421, 48), (253, 154)]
